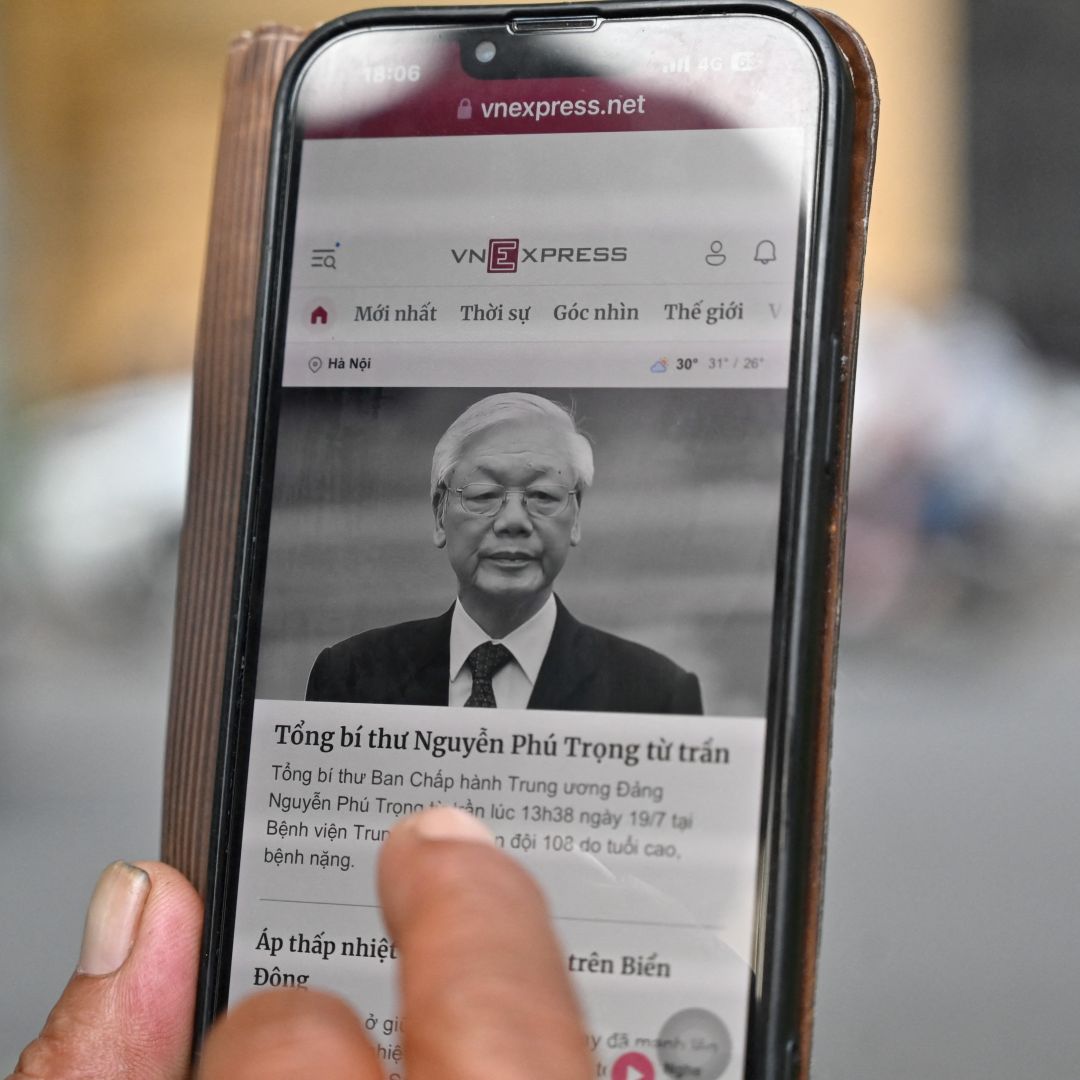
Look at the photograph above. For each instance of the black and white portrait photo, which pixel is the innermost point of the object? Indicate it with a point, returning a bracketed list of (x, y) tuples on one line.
[(598, 550)]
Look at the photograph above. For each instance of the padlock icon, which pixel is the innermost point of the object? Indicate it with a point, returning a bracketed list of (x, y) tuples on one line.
[(464, 109)]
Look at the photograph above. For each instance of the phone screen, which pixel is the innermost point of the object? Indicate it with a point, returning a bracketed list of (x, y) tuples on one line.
[(522, 505)]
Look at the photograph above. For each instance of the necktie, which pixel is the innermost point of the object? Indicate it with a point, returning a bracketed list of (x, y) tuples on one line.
[(484, 661)]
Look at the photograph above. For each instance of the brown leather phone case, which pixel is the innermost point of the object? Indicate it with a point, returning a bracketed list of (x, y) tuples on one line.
[(223, 358)]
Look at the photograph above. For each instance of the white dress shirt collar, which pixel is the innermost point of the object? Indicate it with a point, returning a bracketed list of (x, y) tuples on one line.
[(528, 643)]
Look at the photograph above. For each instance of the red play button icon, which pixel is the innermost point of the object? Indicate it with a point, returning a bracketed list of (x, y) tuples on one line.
[(632, 1066)]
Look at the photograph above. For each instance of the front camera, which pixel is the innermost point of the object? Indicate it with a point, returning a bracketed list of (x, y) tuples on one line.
[(485, 52)]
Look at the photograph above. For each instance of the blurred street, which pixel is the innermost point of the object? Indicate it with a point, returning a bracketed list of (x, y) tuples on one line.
[(950, 949), (81, 748)]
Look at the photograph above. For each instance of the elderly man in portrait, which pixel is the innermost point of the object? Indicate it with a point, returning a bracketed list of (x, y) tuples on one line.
[(507, 480)]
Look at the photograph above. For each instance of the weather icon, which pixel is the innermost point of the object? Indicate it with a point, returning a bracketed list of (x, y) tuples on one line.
[(660, 367)]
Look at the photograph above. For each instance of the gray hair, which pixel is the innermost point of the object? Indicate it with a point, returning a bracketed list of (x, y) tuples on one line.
[(497, 408)]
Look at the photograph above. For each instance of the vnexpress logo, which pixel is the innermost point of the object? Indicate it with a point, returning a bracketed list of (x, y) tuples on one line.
[(502, 256)]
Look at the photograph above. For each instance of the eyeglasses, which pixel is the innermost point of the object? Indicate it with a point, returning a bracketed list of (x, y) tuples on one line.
[(539, 500)]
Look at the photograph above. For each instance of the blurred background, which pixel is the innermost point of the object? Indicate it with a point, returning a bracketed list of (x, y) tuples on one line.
[(949, 946)]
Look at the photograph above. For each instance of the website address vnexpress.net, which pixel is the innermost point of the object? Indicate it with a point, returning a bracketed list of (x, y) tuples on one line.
[(543, 109)]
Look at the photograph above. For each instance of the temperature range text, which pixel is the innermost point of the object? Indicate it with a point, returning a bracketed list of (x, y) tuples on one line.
[(715, 363)]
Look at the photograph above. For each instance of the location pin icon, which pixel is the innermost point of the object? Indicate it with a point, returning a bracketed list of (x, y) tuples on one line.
[(315, 363)]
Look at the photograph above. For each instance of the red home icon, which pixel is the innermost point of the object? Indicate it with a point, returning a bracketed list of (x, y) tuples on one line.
[(319, 315)]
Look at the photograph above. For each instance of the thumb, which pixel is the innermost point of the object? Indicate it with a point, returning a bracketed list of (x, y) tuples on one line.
[(128, 1009)]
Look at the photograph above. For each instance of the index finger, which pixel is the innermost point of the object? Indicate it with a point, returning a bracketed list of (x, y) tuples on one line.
[(485, 992)]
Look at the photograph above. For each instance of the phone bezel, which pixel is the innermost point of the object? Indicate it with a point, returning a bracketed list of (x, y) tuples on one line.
[(798, 624)]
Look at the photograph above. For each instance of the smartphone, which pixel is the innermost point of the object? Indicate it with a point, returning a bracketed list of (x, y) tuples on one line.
[(536, 517)]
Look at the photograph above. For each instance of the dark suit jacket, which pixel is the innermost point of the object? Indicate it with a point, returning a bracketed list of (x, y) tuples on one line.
[(585, 668)]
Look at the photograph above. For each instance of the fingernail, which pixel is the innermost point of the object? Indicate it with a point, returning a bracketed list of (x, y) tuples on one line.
[(112, 919), (449, 823)]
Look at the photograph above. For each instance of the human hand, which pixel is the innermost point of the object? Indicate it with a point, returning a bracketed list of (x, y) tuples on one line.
[(484, 988), (129, 1008)]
